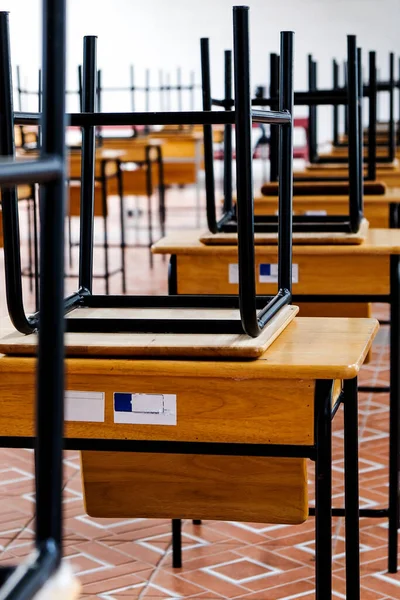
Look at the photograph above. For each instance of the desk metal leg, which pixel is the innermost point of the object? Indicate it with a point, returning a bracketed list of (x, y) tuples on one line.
[(35, 196), (394, 448), (323, 490), (122, 225), (172, 276), (149, 190), (161, 191), (176, 543), (105, 226), (351, 485)]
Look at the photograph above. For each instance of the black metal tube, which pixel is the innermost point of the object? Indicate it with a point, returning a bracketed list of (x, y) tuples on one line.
[(137, 118), (398, 113), (394, 434), (147, 98), (312, 114), (32, 574), (271, 117), (19, 89), (80, 92), (323, 490), (351, 486), (192, 89), (132, 92), (335, 108), (99, 89), (228, 203), (28, 171), (285, 223), (50, 369), (346, 108), (161, 87), (360, 133), (372, 118), (208, 136), (176, 543), (392, 133), (87, 167), (244, 179), (12, 256), (353, 135), (179, 87), (274, 134), (168, 92), (147, 90)]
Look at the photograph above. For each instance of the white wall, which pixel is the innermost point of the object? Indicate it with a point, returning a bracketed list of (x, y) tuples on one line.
[(165, 34)]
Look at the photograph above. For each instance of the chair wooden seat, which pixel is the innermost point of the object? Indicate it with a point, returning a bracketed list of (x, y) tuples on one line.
[(299, 237), (315, 188), (159, 345), (388, 173)]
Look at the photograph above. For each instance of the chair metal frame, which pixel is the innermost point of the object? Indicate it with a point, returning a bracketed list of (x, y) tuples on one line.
[(381, 86), (301, 223), (252, 320), (24, 581), (371, 92)]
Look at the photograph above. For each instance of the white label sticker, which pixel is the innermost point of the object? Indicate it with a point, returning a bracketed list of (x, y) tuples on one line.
[(268, 273), (144, 409), (234, 273), (84, 406), (316, 213)]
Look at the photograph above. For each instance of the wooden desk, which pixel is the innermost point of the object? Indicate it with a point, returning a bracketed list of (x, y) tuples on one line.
[(337, 276), (182, 157), (107, 168), (380, 210), (283, 402)]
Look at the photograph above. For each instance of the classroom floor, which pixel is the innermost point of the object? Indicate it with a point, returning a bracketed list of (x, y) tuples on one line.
[(131, 558)]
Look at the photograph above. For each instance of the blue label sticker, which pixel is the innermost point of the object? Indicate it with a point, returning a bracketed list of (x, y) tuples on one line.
[(265, 269), (123, 402)]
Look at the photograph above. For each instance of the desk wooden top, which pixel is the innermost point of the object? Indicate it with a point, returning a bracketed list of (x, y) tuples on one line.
[(380, 167), (378, 242), (309, 348)]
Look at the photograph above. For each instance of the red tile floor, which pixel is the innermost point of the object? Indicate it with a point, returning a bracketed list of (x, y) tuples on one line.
[(131, 558)]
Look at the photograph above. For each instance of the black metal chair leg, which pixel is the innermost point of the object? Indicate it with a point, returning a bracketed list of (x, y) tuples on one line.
[(70, 241), (351, 486), (30, 261), (149, 190), (122, 225), (323, 491), (105, 225), (394, 435), (161, 192), (35, 247), (176, 543)]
